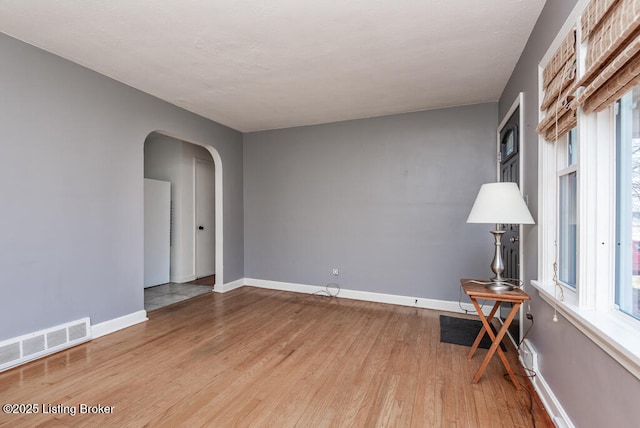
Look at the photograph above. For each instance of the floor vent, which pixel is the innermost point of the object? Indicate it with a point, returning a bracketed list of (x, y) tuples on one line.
[(20, 350), (528, 356)]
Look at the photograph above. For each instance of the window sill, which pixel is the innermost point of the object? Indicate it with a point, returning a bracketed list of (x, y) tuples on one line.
[(617, 336)]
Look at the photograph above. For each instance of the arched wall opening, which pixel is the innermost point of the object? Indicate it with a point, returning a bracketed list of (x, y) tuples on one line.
[(185, 269)]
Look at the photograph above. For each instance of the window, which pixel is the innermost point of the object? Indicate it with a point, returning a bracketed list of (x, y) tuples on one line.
[(567, 209), (589, 227), (589, 178), (627, 125)]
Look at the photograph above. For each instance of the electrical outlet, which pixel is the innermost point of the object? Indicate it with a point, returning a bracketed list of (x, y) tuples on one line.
[(335, 272)]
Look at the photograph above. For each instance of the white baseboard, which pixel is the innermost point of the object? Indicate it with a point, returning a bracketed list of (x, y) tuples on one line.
[(281, 286), (548, 398), (223, 288), (368, 296), (119, 323)]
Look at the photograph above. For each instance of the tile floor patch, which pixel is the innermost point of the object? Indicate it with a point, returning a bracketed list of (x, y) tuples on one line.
[(167, 294)]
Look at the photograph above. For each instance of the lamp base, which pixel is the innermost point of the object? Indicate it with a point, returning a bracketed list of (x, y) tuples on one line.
[(499, 285)]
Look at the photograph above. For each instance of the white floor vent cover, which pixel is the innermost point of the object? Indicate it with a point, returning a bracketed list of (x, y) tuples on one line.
[(528, 356), (25, 348)]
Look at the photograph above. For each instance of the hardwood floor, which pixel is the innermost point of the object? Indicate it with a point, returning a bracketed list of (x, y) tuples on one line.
[(207, 280), (255, 357)]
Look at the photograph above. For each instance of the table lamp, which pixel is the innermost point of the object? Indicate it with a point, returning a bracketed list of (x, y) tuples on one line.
[(499, 203)]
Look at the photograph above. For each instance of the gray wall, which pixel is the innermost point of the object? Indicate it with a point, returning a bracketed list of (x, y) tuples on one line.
[(71, 185), (385, 200), (593, 388)]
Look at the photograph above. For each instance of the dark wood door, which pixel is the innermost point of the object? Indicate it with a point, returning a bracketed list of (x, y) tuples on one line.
[(510, 171)]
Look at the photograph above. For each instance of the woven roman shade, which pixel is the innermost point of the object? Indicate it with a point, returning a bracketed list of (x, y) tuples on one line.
[(557, 83), (611, 31)]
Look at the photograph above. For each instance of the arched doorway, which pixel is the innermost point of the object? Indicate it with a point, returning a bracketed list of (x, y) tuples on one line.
[(181, 163)]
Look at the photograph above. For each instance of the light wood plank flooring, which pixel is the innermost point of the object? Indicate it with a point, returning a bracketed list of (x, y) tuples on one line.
[(254, 357)]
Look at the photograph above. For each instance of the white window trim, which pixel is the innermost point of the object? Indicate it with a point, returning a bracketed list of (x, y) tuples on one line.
[(590, 308)]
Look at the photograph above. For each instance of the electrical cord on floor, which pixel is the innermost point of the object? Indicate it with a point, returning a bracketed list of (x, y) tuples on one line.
[(330, 290), (530, 373), (327, 290), (524, 387)]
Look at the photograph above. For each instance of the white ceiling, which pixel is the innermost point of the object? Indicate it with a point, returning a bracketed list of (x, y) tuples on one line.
[(259, 64)]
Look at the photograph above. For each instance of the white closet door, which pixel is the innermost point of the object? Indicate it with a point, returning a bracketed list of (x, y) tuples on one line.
[(205, 219), (157, 218)]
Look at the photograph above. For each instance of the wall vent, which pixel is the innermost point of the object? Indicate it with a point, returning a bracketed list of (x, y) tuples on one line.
[(20, 350)]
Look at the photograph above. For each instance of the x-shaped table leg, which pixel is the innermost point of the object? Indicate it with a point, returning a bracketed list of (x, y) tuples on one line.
[(495, 346)]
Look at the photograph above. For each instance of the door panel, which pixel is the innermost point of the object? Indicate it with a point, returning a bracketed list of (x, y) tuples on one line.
[(205, 219), (510, 172)]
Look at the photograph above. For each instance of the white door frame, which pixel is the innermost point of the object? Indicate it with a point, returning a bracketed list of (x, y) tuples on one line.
[(518, 102), (197, 161)]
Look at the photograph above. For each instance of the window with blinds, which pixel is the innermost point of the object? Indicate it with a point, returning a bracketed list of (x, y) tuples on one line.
[(557, 79), (589, 178), (611, 32), (606, 60)]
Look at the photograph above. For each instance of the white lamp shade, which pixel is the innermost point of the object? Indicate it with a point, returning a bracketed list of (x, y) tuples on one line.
[(500, 203)]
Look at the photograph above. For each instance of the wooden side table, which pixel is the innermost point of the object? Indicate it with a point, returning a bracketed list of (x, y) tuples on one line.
[(477, 291)]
